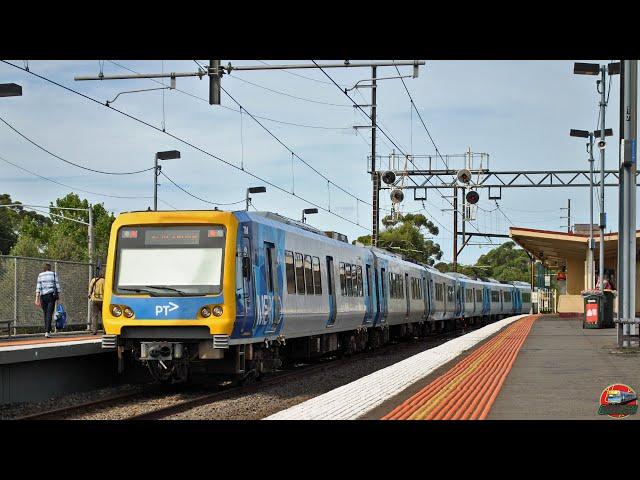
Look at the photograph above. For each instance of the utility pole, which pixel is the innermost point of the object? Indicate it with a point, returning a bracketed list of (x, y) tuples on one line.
[(590, 260), (455, 228), (601, 145), (156, 172), (91, 241), (627, 196), (374, 174)]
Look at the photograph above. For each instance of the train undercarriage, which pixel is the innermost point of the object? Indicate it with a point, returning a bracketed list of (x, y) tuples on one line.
[(176, 361)]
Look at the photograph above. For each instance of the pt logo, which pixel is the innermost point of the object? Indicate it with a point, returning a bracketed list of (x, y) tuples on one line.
[(166, 308), (266, 304)]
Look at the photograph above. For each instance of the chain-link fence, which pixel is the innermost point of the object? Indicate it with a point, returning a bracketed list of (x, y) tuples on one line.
[(18, 277)]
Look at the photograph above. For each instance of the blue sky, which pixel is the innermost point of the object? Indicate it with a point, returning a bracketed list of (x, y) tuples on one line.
[(519, 112)]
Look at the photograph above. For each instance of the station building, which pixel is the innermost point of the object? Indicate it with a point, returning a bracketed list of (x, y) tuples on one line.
[(567, 253)]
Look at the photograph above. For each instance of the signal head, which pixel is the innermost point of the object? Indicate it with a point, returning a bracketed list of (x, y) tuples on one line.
[(397, 196), (472, 197), (388, 177)]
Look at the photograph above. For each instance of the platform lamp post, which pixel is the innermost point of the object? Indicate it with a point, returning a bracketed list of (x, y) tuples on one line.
[(166, 155), (602, 70), (253, 190), (308, 211)]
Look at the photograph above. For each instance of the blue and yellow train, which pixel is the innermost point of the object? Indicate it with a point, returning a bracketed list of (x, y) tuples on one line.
[(240, 292)]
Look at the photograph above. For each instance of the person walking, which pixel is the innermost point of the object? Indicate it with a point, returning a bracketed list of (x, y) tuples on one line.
[(96, 289), (47, 294)]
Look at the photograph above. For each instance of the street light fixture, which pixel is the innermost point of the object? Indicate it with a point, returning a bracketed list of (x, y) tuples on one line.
[(166, 155), (308, 211), (253, 190), (10, 90)]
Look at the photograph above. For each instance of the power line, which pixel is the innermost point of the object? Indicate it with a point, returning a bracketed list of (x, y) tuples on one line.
[(294, 153), (175, 137), (69, 186), (292, 124), (413, 104), (195, 196), (289, 95), (68, 161), (385, 134)]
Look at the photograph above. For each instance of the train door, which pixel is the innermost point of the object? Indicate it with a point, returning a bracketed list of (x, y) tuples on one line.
[(407, 291), (383, 296), (459, 301), (425, 296), (271, 299), (245, 287), (370, 292), (332, 291)]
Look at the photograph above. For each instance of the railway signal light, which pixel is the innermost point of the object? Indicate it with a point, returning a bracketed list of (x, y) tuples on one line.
[(472, 197), (388, 177), (464, 175), (397, 196)]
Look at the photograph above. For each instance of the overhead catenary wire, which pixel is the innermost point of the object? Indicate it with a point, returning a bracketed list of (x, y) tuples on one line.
[(195, 196), (385, 134), (69, 186), (175, 137), (261, 117), (33, 142)]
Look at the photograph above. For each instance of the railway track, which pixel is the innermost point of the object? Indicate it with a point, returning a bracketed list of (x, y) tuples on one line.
[(222, 392)]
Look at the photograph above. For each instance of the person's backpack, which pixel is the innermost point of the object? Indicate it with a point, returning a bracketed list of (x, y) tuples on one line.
[(61, 317)]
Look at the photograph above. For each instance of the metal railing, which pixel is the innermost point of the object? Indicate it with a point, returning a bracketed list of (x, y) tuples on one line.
[(18, 277)]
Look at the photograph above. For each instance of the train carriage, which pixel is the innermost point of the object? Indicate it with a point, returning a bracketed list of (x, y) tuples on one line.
[(239, 292)]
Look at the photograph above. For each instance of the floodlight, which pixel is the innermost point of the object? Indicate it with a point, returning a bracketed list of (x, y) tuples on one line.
[(579, 133), (586, 68)]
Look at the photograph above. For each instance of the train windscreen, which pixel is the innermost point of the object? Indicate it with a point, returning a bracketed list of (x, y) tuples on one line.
[(165, 261)]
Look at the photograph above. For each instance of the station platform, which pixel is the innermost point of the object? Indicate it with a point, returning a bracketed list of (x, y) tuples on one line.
[(17, 350), (523, 367), (38, 368)]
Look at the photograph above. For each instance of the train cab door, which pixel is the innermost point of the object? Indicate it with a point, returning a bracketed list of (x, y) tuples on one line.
[(331, 289), (371, 312), (245, 287), (407, 292), (271, 298)]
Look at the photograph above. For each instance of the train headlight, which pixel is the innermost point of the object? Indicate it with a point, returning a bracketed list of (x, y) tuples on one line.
[(217, 310), (205, 312), (116, 311), (128, 312)]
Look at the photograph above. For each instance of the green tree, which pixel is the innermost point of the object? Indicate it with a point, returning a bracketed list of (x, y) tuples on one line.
[(11, 221), (502, 263), (406, 237), (63, 238)]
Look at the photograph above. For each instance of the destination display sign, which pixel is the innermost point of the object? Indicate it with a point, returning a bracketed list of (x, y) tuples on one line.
[(171, 237)]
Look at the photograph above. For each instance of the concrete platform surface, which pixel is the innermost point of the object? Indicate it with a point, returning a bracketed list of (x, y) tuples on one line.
[(356, 399), (25, 350), (561, 371)]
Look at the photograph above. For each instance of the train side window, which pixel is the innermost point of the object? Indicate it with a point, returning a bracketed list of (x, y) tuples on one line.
[(343, 281), (317, 279), (308, 274), (299, 273), (495, 296), (347, 275), (290, 271), (359, 276)]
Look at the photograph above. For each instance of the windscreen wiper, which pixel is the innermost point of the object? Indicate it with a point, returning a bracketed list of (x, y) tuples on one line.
[(137, 290), (160, 287)]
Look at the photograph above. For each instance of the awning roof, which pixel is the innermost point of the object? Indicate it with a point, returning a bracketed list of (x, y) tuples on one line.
[(554, 247)]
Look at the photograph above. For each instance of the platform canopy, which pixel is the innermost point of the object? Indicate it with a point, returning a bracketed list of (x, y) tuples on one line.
[(553, 248)]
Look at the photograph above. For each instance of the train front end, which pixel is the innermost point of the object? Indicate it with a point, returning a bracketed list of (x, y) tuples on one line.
[(169, 298)]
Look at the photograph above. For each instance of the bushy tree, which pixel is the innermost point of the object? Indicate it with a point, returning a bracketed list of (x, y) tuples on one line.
[(406, 237), (502, 263), (11, 221), (63, 238)]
